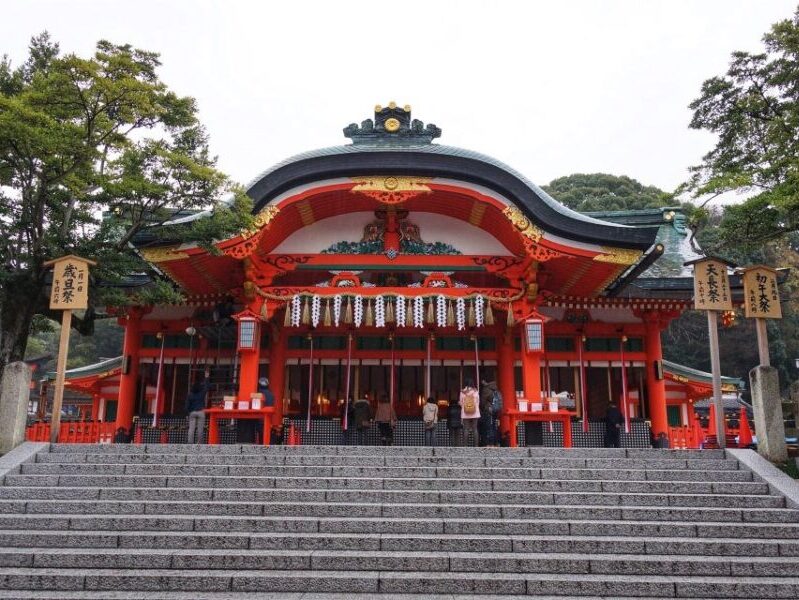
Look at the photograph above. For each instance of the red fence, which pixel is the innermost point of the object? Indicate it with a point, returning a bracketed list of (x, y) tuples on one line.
[(74, 432), (684, 438)]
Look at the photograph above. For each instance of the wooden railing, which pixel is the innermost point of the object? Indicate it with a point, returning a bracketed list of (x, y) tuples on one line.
[(74, 432), (685, 438)]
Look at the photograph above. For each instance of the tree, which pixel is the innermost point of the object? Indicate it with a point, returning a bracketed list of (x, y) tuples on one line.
[(83, 137), (754, 110), (600, 191)]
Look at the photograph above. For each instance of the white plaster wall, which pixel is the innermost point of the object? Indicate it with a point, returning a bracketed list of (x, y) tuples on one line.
[(433, 227)]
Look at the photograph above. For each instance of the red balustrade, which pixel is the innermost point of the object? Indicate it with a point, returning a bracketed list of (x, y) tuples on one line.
[(74, 432)]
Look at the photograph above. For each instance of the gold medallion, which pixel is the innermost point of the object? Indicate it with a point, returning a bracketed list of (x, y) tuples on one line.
[(392, 125)]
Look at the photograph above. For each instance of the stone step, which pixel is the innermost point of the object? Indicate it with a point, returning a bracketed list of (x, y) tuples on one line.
[(454, 562), (387, 472), (108, 595), (203, 449), (350, 509), (413, 582), (389, 461), (372, 483), (391, 496), (400, 542), (504, 472), (287, 524)]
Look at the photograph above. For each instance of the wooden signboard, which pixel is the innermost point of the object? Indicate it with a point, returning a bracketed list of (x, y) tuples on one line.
[(712, 294), (711, 285), (70, 283), (70, 292), (761, 293)]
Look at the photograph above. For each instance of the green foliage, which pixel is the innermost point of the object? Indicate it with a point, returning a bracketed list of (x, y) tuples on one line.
[(603, 192), (106, 342), (754, 111), (86, 137)]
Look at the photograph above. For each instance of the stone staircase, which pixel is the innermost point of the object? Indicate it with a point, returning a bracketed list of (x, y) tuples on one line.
[(160, 521)]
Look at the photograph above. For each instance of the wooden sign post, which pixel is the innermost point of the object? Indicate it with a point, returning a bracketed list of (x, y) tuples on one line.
[(70, 292), (762, 302), (712, 294)]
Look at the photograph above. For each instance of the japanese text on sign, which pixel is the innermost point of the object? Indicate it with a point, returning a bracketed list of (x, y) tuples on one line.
[(70, 285), (711, 286), (761, 293)]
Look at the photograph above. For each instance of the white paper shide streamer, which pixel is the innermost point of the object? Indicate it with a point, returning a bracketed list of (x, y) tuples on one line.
[(380, 311), (316, 309), (296, 308), (357, 310), (337, 308), (441, 311), (399, 311), (418, 311), (460, 313), (478, 311)]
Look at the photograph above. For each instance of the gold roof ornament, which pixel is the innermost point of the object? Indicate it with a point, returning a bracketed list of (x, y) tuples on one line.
[(162, 254), (618, 256), (522, 223)]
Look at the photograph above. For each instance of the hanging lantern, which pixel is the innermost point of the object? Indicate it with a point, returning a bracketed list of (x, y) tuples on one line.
[(534, 335), (248, 331)]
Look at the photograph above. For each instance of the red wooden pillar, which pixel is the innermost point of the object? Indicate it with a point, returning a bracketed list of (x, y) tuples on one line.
[(655, 383), (505, 379), (531, 372), (95, 406), (248, 377), (277, 369), (130, 369)]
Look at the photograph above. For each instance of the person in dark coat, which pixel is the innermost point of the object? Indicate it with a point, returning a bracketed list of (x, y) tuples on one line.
[(362, 416), (613, 422), (454, 423), (263, 388)]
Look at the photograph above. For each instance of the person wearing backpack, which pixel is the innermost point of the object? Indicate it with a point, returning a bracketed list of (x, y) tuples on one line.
[(454, 423), (470, 413), (430, 419)]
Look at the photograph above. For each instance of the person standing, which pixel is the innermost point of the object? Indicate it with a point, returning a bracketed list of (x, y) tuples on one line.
[(430, 420), (470, 413), (362, 418), (613, 423), (454, 423), (496, 413), (386, 420), (484, 423), (195, 406), (263, 388)]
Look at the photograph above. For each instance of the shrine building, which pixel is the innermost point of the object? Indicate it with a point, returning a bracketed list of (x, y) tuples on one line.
[(401, 266)]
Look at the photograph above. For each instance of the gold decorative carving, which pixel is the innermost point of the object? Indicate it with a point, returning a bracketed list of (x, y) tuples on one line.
[(392, 125), (522, 223), (262, 219), (391, 189), (163, 254), (618, 256)]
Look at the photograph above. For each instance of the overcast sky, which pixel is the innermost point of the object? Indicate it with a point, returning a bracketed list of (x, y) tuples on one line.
[(551, 88)]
